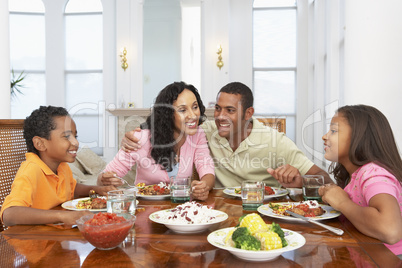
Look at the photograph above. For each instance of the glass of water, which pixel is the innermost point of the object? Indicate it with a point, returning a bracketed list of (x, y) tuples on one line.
[(252, 194), (121, 201), (180, 189), (311, 184)]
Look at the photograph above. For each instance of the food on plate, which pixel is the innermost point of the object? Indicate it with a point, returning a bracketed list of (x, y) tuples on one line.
[(154, 189), (254, 234), (92, 203), (140, 184), (189, 213), (268, 190), (309, 208), (98, 203), (105, 230), (254, 223)]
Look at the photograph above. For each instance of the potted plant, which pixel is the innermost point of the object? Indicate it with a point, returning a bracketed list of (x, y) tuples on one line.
[(15, 83)]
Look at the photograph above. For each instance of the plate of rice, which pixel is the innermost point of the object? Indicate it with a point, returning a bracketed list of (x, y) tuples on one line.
[(190, 217)]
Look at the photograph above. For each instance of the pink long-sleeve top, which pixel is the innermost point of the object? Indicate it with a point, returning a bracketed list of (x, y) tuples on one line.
[(194, 151)]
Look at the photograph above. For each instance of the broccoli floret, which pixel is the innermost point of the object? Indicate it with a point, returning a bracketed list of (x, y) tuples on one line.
[(277, 229), (243, 239), (248, 242), (240, 232)]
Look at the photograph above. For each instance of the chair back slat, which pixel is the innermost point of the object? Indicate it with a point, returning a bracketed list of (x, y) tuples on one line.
[(12, 154), (275, 123)]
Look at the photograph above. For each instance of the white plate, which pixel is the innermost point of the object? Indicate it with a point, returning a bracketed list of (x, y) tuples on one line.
[(187, 228), (329, 212), (154, 197), (72, 205), (278, 192), (295, 241)]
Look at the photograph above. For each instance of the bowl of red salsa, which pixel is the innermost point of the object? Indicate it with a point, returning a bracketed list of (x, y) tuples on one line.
[(105, 230)]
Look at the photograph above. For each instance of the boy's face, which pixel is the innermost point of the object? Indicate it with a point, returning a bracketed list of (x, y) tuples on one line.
[(62, 145)]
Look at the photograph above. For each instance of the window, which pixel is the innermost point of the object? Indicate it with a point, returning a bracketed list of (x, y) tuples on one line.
[(84, 69), (274, 60), (27, 22)]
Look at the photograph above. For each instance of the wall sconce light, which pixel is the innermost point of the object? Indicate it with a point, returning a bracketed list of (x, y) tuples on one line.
[(123, 57), (220, 62)]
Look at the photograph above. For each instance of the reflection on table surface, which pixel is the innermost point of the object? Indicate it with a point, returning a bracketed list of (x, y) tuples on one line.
[(151, 244)]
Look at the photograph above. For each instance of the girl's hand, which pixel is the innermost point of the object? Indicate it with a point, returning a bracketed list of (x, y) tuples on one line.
[(200, 190), (333, 195), (109, 178)]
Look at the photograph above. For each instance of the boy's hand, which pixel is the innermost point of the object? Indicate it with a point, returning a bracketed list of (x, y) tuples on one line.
[(109, 179), (129, 142)]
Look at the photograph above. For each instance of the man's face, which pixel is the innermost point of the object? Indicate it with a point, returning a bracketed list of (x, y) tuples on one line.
[(229, 116)]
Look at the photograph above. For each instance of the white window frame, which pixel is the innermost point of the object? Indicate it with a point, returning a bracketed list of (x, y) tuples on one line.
[(280, 69)]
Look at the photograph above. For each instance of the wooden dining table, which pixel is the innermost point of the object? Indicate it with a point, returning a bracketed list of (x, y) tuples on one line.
[(150, 244)]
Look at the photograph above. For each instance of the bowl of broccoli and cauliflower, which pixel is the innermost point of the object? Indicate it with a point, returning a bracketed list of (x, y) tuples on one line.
[(254, 240)]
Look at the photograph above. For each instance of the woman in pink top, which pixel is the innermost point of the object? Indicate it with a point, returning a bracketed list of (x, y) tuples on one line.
[(368, 169), (171, 141)]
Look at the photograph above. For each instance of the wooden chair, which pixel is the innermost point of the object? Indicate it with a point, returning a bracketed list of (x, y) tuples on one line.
[(276, 123), (12, 154)]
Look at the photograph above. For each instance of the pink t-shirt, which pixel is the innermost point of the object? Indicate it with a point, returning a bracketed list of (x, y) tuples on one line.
[(194, 151), (370, 180)]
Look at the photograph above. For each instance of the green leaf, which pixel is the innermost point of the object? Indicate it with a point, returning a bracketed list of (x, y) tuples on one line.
[(15, 83)]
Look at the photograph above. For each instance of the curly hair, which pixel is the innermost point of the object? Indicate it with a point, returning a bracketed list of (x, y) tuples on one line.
[(247, 98), (40, 123), (161, 123), (372, 140)]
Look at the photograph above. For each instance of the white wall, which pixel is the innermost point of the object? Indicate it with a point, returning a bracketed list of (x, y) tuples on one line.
[(373, 57), (352, 49), (5, 110)]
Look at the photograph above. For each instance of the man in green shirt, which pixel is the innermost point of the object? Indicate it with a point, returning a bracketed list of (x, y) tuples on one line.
[(244, 149)]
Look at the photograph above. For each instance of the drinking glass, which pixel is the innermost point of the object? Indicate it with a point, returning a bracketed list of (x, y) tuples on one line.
[(311, 183), (252, 194), (180, 189), (121, 201)]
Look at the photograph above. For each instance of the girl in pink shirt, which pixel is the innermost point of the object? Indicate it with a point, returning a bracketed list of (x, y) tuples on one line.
[(171, 142), (368, 169)]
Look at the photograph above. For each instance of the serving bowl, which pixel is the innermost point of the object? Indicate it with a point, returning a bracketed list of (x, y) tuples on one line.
[(105, 236), (160, 217), (294, 239)]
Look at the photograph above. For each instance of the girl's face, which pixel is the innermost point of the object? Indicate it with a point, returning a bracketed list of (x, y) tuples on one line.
[(337, 140), (187, 113)]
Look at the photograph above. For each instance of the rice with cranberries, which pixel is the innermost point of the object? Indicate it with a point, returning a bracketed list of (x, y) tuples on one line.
[(189, 213)]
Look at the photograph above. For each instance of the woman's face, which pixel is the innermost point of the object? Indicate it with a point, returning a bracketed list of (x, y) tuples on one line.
[(187, 114), (337, 140)]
